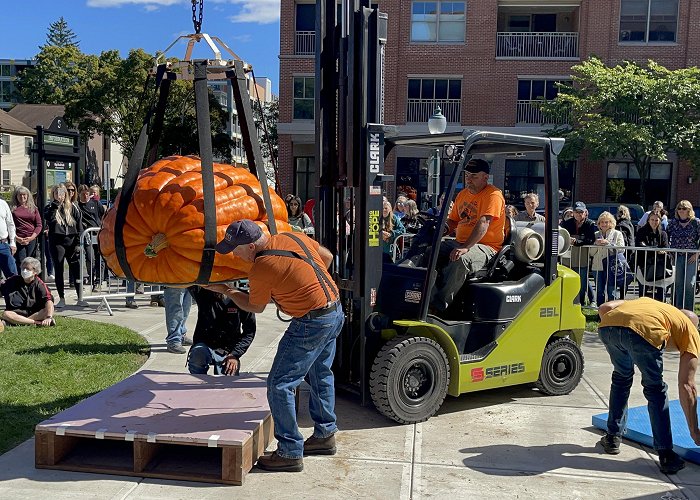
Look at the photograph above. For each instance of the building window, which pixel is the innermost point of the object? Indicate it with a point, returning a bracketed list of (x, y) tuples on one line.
[(305, 27), (656, 187), (305, 177), (527, 176), (6, 178), (644, 21), (425, 94), (438, 21), (28, 146), (5, 140), (5, 70), (303, 98), (6, 91), (530, 95)]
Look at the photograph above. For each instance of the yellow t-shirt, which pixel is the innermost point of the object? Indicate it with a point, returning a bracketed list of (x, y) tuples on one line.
[(655, 321), (469, 208)]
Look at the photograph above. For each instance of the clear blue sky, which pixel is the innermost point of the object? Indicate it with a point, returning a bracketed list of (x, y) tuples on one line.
[(249, 27)]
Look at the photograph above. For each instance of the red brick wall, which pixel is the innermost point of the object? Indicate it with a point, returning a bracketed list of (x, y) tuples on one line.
[(489, 86)]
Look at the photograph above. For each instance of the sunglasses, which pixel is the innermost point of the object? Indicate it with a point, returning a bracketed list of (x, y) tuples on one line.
[(683, 208), (70, 190)]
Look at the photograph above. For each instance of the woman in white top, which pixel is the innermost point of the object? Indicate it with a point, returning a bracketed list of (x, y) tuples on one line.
[(606, 238)]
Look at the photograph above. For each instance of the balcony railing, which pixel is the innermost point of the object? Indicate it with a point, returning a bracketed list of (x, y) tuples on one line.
[(529, 112), (537, 45), (305, 43), (419, 110)]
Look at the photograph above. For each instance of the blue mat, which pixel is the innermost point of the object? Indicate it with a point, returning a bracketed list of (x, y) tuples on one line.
[(639, 429)]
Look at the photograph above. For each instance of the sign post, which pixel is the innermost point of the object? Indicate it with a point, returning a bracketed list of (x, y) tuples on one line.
[(58, 155)]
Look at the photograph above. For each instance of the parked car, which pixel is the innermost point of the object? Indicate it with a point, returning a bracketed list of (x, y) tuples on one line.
[(595, 209)]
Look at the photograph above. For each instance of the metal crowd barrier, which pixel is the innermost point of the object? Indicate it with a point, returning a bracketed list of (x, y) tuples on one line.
[(666, 274), (400, 246), (103, 285)]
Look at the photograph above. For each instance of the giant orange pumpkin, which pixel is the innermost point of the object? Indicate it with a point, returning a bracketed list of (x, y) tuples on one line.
[(164, 227)]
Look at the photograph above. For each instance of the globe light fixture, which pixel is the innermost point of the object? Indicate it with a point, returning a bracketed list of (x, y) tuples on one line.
[(437, 123)]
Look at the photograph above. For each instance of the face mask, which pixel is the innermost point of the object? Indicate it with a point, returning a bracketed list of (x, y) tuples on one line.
[(27, 273)]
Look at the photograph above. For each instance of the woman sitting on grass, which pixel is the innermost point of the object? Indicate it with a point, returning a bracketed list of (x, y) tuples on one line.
[(28, 301)]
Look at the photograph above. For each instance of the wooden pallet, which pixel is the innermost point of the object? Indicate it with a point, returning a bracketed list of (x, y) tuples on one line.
[(163, 425)]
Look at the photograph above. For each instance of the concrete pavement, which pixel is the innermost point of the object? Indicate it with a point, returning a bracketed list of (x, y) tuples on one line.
[(506, 443)]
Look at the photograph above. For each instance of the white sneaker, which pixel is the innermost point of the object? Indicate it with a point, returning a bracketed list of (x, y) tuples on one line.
[(60, 304), (51, 277)]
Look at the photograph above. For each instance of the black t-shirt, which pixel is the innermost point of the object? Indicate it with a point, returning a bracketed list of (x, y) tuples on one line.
[(20, 296), (219, 323)]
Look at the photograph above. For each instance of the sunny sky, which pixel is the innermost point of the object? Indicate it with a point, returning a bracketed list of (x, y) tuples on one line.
[(249, 27)]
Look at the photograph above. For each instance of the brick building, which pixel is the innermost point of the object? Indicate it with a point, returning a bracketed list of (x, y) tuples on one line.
[(485, 63)]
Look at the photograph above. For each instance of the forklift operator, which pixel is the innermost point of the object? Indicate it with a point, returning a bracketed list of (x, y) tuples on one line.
[(478, 217)]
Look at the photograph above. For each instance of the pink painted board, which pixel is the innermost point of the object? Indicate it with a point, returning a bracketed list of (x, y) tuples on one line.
[(176, 407)]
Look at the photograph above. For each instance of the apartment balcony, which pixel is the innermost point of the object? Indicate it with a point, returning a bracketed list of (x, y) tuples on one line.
[(419, 110), (537, 45), (529, 113), (305, 43)]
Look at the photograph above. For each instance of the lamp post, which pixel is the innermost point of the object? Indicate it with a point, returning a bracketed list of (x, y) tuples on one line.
[(436, 125)]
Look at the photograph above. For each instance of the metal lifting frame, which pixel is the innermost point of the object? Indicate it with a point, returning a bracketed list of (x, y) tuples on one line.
[(200, 71)]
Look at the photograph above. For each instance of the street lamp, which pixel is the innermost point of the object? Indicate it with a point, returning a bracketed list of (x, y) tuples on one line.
[(437, 123)]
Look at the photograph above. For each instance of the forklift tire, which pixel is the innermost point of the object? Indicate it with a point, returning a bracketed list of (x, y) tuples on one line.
[(409, 379), (562, 368)]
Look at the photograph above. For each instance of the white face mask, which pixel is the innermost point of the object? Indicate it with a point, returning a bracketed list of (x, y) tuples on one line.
[(27, 273)]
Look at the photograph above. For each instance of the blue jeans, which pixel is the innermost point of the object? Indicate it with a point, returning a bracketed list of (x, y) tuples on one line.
[(307, 347), (177, 307), (201, 357), (626, 349), (604, 286), (7, 261), (686, 274)]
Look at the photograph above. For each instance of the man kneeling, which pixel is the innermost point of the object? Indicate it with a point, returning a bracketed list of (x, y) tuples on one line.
[(28, 300), (223, 332)]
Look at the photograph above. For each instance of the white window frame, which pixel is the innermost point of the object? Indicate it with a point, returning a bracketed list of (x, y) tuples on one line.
[(305, 98), (646, 40), (439, 18), (5, 148), (28, 145), (6, 177)]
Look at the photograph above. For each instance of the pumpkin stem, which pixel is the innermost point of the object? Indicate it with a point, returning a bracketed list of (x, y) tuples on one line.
[(158, 243)]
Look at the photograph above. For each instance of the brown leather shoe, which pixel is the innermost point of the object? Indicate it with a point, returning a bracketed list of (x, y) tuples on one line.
[(320, 446), (275, 463)]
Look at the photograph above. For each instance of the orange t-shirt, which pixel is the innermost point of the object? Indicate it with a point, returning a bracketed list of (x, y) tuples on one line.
[(469, 208), (291, 282)]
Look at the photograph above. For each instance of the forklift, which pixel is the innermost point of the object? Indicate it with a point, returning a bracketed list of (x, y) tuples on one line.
[(517, 322)]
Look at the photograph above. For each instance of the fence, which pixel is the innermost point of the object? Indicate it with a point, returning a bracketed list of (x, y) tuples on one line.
[(608, 273), (101, 284), (666, 274)]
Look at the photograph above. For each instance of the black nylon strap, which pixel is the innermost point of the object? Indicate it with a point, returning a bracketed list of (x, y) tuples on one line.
[(201, 100), (320, 275)]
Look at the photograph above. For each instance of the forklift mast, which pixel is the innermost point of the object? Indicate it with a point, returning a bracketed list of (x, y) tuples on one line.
[(350, 169)]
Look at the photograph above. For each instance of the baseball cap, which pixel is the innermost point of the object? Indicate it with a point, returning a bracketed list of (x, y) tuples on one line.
[(579, 206), (238, 233), (477, 165)]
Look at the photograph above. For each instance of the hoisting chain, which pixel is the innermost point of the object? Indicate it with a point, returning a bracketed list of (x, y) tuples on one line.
[(195, 21)]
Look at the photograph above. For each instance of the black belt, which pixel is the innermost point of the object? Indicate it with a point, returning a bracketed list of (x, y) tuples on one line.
[(315, 313)]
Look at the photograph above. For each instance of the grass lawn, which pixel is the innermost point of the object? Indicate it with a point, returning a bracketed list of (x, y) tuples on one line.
[(46, 370)]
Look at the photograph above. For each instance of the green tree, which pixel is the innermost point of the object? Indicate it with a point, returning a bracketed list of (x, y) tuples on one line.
[(639, 112), (60, 35), (116, 103), (61, 72), (266, 120)]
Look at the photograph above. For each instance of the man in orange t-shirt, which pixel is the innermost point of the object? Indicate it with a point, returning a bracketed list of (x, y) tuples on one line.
[(291, 269), (478, 217)]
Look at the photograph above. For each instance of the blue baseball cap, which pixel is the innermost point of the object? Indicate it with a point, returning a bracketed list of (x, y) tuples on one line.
[(241, 232), (579, 206)]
